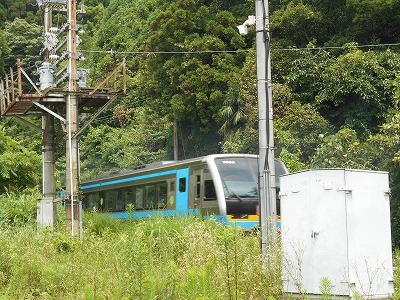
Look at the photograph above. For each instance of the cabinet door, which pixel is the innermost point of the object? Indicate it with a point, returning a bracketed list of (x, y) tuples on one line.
[(314, 237), (327, 256), (368, 214)]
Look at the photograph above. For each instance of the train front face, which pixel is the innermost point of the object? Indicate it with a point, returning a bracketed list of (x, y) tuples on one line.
[(238, 182)]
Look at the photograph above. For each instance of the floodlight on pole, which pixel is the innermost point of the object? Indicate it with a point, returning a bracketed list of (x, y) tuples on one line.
[(243, 28)]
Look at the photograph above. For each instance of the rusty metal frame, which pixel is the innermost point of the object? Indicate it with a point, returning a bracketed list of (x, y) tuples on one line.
[(11, 88), (114, 73)]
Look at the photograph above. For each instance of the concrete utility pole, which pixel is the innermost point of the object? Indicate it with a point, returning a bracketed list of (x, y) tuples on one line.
[(267, 191), (46, 213), (72, 155)]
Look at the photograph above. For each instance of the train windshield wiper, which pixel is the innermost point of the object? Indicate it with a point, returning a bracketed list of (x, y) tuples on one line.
[(231, 192)]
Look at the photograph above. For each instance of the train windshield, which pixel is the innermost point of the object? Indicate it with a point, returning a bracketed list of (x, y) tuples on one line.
[(239, 178)]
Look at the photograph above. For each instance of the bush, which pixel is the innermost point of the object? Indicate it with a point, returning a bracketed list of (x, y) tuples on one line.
[(19, 209)]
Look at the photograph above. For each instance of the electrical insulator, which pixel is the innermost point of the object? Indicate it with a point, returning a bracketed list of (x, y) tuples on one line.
[(53, 29), (53, 56)]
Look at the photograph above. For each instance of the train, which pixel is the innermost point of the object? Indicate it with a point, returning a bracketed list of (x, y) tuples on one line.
[(219, 186)]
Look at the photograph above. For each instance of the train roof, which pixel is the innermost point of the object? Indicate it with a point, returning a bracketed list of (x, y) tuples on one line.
[(161, 165)]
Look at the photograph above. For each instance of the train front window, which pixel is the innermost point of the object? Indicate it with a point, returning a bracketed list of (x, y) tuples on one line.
[(239, 177)]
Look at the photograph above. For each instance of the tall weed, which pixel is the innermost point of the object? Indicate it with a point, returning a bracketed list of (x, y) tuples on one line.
[(157, 258), (18, 209)]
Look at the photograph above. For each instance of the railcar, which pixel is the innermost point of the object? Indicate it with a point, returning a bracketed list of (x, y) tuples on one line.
[(221, 186)]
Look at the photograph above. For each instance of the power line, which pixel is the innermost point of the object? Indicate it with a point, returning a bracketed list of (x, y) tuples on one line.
[(241, 50), (166, 52), (337, 47)]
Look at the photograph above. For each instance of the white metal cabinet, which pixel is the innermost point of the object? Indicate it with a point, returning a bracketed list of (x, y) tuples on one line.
[(336, 225)]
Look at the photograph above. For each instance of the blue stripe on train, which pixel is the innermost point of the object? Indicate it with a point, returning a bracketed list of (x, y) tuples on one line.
[(129, 179), (152, 213)]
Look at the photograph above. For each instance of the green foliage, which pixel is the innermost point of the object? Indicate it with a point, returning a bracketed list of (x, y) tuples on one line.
[(186, 87), (374, 20), (106, 148), (298, 22), (25, 135), (18, 209), (4, 50), (396, 277), (325, 288), (335, 23), (23, 9), (386, 144), (355, 90), (343, 150), (299, 129), (20, 168), (24, 40)]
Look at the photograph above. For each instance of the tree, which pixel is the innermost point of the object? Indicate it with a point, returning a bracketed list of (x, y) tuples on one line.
[(188, 87), (355, 90), (343, 150), (4, 51), (298, 22), (297, 127), (386, 145), (143, 140), (24, 40), (374, 21), (20, 168), (22, 9)]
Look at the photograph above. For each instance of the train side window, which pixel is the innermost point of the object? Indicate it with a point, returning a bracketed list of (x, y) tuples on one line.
[(119, 203), (139, 197), (209, 191), (129, 196), (182, 185), (172, 186), (198, 186), (162, 194), (150, 197), (110, 200), (92, 201)]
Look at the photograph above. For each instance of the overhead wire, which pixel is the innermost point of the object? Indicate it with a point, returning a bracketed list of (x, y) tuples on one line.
[(242, 50)]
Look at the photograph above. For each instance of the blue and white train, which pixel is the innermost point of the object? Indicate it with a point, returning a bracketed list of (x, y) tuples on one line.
[(224, 186)]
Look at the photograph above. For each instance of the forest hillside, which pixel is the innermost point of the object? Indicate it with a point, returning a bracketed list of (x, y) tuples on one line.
[(335, 76)]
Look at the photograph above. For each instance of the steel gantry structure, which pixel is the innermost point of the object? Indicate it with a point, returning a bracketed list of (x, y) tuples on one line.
[(62, 93)]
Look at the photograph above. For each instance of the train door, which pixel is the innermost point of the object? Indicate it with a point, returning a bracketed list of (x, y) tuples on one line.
[(171, 197), (182, 190), (205, 198)]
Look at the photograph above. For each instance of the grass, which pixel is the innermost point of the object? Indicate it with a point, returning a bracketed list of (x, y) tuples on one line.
[(157, 258)]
